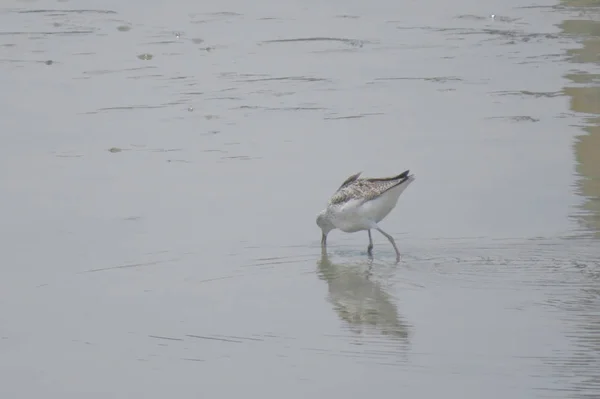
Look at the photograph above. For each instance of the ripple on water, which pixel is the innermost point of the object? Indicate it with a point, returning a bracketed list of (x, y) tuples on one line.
[(66, 11), (357, 116), (349, 42), (284, 79)]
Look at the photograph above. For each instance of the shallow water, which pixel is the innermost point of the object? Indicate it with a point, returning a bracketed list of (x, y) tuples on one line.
[(163, 164)]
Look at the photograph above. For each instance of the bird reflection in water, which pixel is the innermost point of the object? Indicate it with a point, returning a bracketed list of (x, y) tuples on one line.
[(360, 301)]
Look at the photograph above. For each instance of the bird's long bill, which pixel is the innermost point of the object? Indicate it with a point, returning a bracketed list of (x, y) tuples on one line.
[(323, 239)]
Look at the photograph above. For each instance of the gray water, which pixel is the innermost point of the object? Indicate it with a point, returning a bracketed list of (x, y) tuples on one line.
[(162, 165)]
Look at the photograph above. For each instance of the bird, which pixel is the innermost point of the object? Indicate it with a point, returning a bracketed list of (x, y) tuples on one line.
[(360, 204)]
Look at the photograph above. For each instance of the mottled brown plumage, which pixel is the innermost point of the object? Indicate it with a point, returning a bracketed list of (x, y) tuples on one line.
[(365, 189)]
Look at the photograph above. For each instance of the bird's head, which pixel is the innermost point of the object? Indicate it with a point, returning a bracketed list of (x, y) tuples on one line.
[(325, 224)]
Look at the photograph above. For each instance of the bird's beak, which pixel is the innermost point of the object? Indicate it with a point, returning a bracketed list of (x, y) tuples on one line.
[(323, 239)]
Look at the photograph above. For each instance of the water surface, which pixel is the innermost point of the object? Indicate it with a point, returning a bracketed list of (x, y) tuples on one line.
[(163, 164)]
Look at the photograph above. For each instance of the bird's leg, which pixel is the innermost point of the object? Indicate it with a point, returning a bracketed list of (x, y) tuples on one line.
[(391, 239), (323, 240), (370, 247), (369, 271)]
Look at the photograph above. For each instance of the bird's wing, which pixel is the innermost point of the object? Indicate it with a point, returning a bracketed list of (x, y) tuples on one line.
[(349, 180), (365, 189), (399, 177)]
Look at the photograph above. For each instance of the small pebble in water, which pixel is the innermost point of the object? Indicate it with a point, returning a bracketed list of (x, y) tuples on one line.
[(145, 57), (49, 62), (177, 35), (114, 149), (493, 16), (190, 109)]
